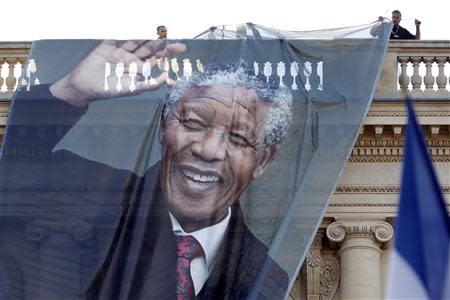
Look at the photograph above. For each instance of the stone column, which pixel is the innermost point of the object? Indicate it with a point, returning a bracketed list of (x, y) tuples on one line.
[(360, 243)]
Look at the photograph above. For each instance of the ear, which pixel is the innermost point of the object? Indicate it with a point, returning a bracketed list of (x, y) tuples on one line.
[(267, 155)]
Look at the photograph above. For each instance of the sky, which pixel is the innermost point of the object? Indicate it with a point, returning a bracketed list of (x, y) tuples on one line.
[(50, 19)]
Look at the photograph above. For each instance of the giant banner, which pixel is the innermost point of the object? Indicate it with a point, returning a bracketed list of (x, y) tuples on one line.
[(178, 169)]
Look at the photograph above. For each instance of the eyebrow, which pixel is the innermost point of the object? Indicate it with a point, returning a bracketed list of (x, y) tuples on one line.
[(200, 92), (204, 110)]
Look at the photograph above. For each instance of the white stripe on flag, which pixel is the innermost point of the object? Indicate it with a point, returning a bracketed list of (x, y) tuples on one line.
[(403, 282)]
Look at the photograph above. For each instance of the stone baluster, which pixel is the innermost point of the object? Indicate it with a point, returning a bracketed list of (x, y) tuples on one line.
[(403, 78), (11, 81), (429, 78), (17, 72), (1, 78), (416, 79), (359, 252), (448, 68), (4, 73), (441, 79), (9, 69)]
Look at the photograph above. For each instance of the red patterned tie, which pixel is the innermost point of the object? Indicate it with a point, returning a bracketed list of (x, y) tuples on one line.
[(188, 248)]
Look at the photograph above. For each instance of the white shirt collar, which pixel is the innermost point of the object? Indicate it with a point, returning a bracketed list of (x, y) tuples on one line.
[(209, 238)]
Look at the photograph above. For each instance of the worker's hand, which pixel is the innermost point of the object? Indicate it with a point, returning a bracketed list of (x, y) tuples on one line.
[(86, 82), (380, 18), (417, 22)]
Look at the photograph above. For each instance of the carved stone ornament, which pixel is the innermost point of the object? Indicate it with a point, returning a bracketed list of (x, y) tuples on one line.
[(330, 275), (381, 231), (317, 242), (313, 258), (336, 232)]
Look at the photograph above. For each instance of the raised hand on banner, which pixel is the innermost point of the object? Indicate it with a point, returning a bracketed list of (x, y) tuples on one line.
[(86, 82)]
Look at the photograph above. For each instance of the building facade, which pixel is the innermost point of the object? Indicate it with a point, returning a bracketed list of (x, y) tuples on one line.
[(349, 255)]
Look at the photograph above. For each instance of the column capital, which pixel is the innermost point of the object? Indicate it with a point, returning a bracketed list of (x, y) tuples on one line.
[(379, 230)]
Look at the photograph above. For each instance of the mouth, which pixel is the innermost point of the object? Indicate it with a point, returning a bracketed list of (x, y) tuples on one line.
[(201, 177)]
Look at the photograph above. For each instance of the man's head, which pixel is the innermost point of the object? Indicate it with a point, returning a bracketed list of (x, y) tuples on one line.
[(161, 31), (396, 17), (220, 130)]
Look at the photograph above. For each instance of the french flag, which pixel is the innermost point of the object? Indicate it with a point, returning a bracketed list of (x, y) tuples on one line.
[(419, 266)]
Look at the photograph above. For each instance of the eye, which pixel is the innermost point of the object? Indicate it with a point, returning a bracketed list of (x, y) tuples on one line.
[(193, 124), (239, 140)]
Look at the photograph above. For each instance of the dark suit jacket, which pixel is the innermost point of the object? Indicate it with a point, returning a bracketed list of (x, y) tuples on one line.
[(77, 229)]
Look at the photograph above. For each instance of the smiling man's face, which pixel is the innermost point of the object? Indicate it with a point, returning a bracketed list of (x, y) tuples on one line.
[(212, 148)]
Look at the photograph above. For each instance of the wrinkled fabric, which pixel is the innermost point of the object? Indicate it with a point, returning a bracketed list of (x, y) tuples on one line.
[(81, 208)]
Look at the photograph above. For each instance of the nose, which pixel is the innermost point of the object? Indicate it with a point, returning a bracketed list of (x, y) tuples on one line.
[(212, 146)]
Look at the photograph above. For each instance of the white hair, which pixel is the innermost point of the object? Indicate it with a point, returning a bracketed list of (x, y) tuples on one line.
[(280, 98)]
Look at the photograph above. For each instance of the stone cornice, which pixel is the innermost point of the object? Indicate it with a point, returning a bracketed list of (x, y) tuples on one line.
[(406, 45), (391, 159), (367, 189), (375, 189), (374, 143), (15, 45), (429, 112), (384, 143), (4, 108), (360, 204), (404, 114), (14, 50)]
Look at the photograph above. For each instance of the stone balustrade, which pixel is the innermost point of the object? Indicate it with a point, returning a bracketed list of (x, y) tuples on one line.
[(422, 68), (13, 56)]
